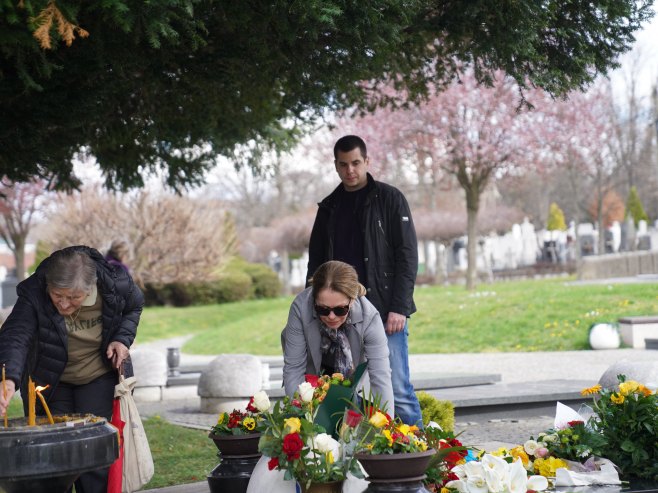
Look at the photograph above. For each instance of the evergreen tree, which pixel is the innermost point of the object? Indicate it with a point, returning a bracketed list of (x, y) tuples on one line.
[(634, 207), (556, 220), (170, 84)]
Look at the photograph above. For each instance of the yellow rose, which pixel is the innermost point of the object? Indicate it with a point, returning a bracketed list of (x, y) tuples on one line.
[(404, 429), (378, 420), (293, 424), (628, 387), (617, 399)]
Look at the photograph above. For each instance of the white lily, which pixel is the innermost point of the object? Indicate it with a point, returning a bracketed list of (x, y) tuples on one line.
[(518, 477)]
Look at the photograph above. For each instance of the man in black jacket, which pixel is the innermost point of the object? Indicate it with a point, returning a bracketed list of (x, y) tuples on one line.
[(368, 225)]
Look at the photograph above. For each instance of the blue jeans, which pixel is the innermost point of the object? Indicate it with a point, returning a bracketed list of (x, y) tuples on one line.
[(406, 403)]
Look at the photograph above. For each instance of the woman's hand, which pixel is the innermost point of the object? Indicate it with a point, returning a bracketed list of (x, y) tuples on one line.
[(4, 400), (117, 353)]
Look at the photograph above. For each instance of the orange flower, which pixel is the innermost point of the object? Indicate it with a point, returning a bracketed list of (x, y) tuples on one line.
[(591, 390)]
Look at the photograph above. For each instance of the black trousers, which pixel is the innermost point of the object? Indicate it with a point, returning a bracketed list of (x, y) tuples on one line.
[(95, 397)]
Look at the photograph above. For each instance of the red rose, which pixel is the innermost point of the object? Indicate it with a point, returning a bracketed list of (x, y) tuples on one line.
[(250, 406), (273, 463), (313, 380), (292, 445), (353, 418), (296, 403)]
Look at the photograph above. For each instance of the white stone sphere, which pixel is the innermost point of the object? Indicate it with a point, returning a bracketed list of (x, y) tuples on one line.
[(604, 336)]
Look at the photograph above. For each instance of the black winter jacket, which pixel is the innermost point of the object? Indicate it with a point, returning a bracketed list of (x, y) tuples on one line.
[(390, 248), (33, 339)]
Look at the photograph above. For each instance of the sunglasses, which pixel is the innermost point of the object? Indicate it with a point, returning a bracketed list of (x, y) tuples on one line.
[(339, 311)]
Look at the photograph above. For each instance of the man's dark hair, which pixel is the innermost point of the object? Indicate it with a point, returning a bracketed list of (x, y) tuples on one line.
[(349, 143)]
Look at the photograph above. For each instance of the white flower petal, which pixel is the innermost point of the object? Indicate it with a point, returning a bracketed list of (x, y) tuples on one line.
[(537, 483)]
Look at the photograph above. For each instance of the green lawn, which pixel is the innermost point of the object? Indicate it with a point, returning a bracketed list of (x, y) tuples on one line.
[(527, 315)]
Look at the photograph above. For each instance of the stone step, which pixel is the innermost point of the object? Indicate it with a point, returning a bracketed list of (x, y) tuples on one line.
[(514, 400), (651, 343)]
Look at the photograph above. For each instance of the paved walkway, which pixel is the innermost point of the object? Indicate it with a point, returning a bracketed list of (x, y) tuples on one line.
[(516, 369)]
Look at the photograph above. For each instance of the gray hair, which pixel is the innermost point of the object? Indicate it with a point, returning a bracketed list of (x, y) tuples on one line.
[(71, 269)]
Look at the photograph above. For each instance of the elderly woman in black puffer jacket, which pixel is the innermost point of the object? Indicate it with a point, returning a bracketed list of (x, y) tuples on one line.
[(71, 328)]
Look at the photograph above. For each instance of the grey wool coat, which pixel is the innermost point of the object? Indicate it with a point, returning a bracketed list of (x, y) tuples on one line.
[(301, 341)]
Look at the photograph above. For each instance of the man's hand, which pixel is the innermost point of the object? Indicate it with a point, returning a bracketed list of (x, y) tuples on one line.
[(118, 353), (395, 322), (4, 400)]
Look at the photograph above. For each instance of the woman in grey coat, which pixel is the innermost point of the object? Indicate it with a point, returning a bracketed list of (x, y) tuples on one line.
[(332, 327)]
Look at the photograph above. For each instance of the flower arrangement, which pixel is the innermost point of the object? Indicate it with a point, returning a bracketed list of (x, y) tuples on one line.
[(627, 419), (493, 474), (388, 436), (450, 452), (244, 422), (298, 445)]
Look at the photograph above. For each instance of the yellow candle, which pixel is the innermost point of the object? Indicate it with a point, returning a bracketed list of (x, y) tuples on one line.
[(45, 406), (4, 392), (31, 403)]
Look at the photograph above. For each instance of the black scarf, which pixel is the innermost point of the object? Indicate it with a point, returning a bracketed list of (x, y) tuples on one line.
[(335, 341)]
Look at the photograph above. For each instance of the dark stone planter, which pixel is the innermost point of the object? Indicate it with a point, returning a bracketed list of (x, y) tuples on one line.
[(49, 458), (238, 458), (385, 468), (397, 487)]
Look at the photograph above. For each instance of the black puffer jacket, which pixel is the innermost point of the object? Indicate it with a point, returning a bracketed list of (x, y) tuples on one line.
[(34, 340), (390, 248)]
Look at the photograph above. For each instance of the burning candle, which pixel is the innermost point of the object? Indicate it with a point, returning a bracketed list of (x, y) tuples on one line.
[(43, 403), (4, 391), (31, 403)]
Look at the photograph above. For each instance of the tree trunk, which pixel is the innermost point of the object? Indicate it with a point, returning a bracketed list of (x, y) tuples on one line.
[(19, 257), (285, 271), (472, 207), (599, 212), (440, 267)]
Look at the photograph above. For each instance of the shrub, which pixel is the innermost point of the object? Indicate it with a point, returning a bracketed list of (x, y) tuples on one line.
[(433, 409), (556, 220), (634, 207), (266, 282), (233, 286)]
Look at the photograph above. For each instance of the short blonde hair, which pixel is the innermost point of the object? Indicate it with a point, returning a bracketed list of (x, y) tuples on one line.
[(337, 276)]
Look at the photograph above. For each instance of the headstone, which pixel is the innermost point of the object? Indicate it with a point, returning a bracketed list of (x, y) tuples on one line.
[(229, 381), (644, 372)]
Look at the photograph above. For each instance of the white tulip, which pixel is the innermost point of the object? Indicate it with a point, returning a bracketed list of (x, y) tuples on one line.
[(262, 401), (306, 391)]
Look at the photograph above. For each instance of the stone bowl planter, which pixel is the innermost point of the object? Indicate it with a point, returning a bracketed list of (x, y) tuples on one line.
[(395, 467), (49, 458), (236, 446)]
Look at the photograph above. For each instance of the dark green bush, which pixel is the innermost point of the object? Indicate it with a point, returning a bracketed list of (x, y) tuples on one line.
[(266, 282), (233, 286), (239, 280)]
